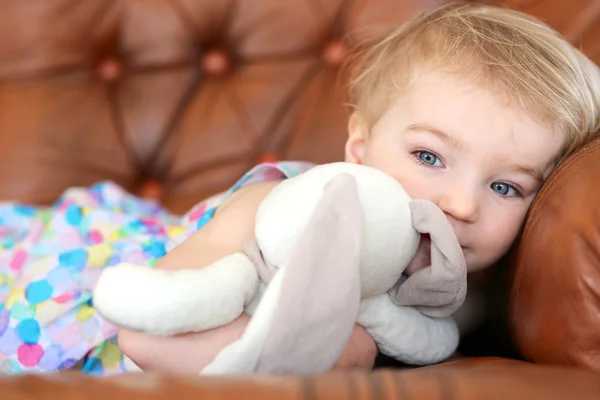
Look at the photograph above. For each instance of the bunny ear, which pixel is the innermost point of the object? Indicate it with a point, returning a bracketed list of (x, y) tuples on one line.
[(320, 289), (440, 289)]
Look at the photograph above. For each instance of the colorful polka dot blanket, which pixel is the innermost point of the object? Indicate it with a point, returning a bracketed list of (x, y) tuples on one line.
[(50, 258)]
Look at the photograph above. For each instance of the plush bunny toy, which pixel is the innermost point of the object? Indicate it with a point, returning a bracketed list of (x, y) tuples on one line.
[(330, 249)]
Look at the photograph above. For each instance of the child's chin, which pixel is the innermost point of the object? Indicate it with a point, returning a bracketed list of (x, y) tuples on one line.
[(422, 258)]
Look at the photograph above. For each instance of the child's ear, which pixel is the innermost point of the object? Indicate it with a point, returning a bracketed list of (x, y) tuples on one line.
[(357, 139)]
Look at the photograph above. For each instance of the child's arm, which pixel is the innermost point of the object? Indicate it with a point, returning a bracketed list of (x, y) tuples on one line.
[(225, 234)]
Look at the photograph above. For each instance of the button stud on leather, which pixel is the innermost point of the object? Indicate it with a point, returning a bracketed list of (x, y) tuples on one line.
[(216, 62), (268, 157), (110, 69), (335, 53), (151, 189)]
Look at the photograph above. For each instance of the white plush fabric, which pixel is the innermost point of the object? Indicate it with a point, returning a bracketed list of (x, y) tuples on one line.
[(166, 302), (406, 334), (163, 302), (389, 240)]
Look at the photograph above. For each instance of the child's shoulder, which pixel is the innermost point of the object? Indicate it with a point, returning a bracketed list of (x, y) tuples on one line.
[(271, 171), (202, 212)]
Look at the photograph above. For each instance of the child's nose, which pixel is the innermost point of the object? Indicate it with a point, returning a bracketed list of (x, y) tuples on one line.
[(461, 204)]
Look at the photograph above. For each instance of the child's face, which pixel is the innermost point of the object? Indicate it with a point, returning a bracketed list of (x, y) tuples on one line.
[(463, 148)]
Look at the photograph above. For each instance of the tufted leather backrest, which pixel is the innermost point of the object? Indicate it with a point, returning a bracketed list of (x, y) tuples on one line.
[(188, 94), (177, 98)]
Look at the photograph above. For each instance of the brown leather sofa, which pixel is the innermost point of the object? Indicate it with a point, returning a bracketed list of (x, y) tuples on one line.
[(175, 99)]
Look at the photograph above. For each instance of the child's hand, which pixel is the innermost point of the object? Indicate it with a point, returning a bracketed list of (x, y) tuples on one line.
[(360, 351), (190, 353), (181, 354)]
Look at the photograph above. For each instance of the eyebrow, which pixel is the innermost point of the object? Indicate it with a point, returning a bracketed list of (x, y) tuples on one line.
[(535, 173), (436, 132)]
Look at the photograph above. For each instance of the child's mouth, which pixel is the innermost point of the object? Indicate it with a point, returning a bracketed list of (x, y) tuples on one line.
[(422, 257)]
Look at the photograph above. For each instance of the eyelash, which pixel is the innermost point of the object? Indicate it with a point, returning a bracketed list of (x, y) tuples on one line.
[(418, 152), (518, 192)]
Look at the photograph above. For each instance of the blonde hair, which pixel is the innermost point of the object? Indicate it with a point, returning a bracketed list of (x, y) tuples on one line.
[(527, 60)]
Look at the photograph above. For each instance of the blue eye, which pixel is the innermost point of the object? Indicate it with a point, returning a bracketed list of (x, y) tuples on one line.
[(429, 158), (504, 189)]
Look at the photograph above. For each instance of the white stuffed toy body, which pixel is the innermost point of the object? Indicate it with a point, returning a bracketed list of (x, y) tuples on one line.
[(330, 250)]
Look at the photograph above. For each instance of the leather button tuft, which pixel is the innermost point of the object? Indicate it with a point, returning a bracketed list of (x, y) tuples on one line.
[(110, 69), (216, 62), (335, 53), (152, 190), (268, 157)]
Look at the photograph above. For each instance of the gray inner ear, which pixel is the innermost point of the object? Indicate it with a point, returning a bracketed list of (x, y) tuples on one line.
[(320, 297), (439, 289)]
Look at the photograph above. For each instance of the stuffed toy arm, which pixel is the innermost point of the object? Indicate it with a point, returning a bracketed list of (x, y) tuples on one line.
[(168, 302), (406, 334)]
